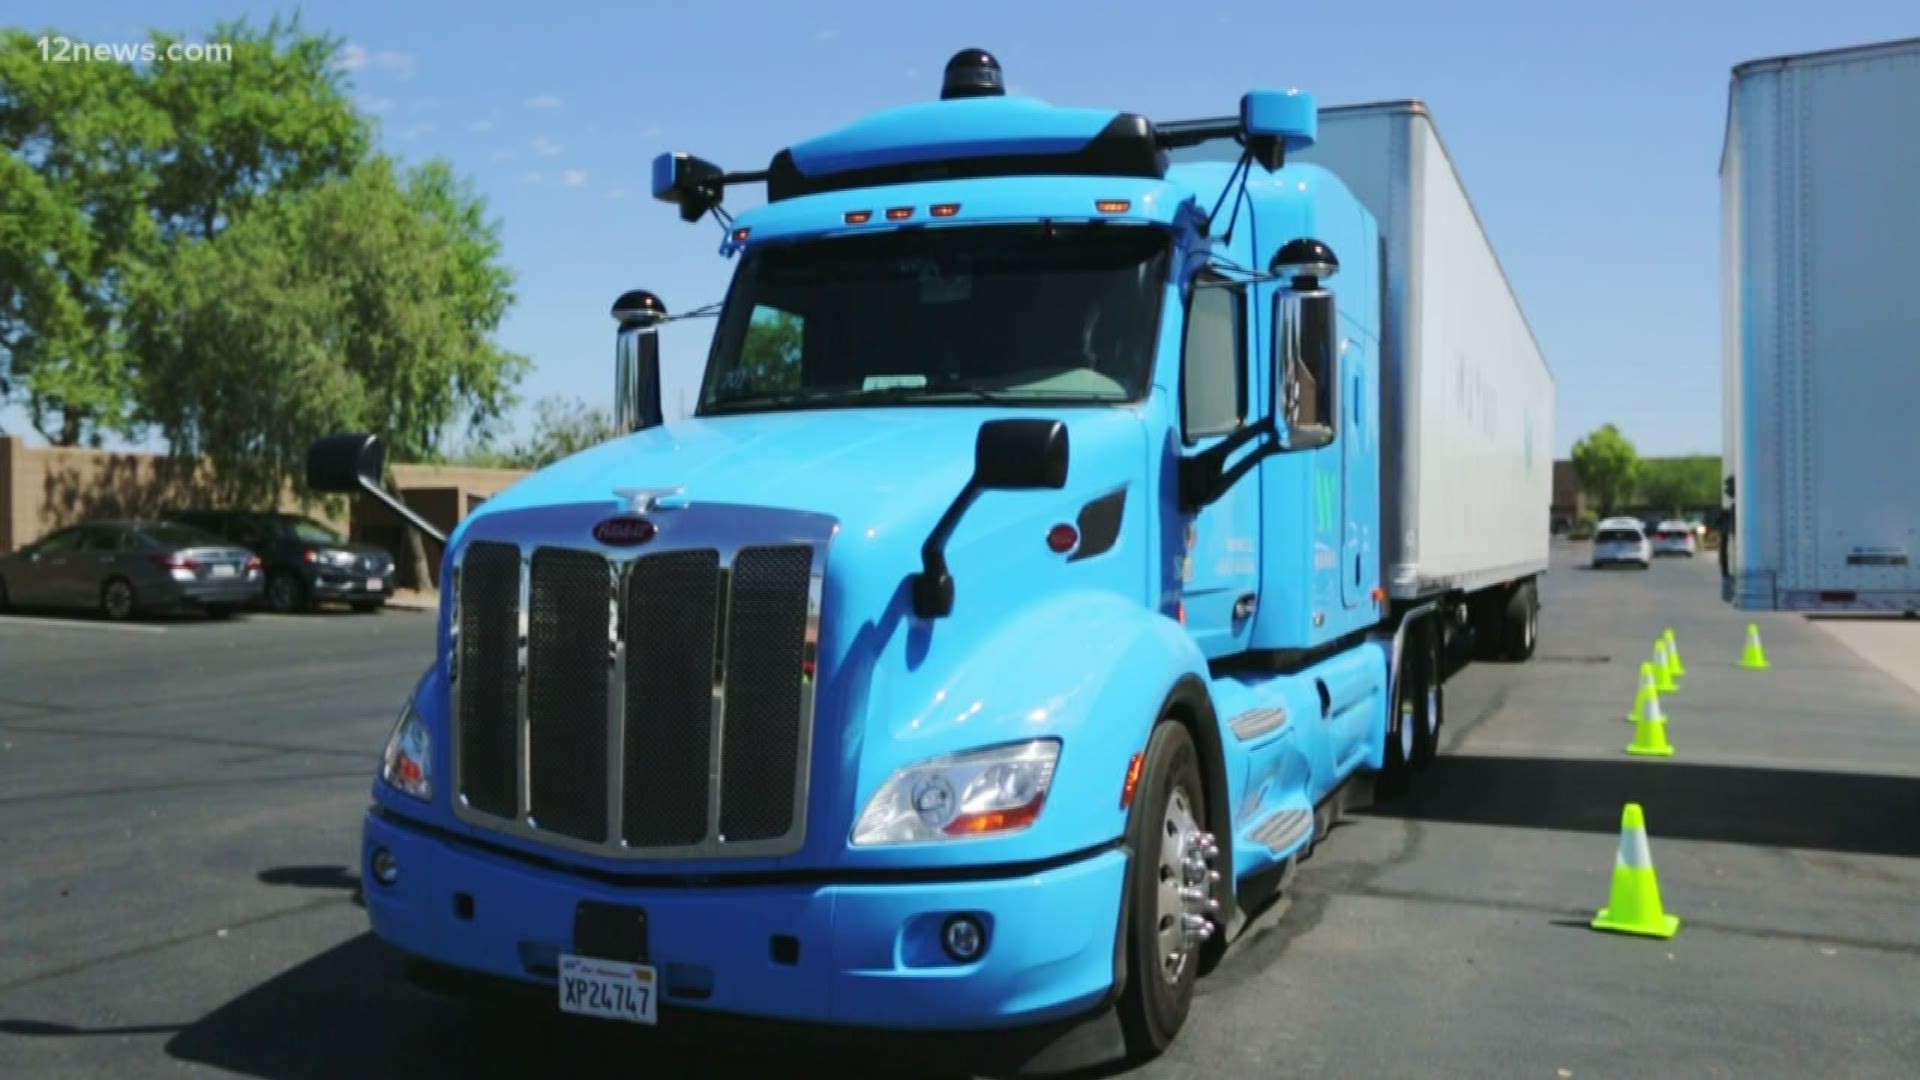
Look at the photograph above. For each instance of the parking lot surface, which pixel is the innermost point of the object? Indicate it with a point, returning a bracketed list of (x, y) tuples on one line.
[(181, 801)]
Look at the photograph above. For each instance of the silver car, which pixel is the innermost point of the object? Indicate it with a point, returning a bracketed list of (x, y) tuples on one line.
[(121, 568)]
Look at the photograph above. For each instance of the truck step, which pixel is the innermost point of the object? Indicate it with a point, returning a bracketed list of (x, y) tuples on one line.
[(1283, 830)]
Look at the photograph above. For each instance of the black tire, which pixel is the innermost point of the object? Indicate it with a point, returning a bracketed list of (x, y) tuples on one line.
[(286, 593), (118, 600), (1156, 1001), (1395, 777), (3, 594), (1522, 617), (366, 606), (1429, 711)]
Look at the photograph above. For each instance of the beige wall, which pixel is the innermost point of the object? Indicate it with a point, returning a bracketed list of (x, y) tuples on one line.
[(47, 488)]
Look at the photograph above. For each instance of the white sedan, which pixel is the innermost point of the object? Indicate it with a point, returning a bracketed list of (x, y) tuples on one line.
[(1621, 540), (1674, 538)]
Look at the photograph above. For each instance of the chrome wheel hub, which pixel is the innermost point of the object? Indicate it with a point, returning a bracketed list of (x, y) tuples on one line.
[(1185, 908)]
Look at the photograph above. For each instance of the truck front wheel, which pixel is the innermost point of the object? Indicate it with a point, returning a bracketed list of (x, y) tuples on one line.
[(1171, 887)]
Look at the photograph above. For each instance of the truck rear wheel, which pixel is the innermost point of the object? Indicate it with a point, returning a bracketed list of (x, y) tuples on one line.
[(1171, 887)]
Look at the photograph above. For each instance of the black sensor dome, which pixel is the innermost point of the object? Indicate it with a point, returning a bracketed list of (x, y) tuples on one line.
[(972, 73), (638, 307)]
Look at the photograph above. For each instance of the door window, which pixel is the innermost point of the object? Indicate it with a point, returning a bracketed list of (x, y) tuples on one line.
[(1213, 396)]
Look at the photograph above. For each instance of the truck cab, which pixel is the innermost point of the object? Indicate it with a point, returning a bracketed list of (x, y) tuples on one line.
[(1000, 628)]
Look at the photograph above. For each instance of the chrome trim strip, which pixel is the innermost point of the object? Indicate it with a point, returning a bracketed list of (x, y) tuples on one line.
[(522, 725), (717, 717), (616, 701), (1257, 722), (726, 528)]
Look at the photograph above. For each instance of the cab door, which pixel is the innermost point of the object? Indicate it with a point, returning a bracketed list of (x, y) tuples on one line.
[(1217, 558)]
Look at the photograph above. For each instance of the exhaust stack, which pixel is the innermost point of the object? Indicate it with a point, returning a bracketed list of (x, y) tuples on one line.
[(636, 361)]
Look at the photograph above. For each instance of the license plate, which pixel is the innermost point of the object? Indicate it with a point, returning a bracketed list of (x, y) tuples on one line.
[(609, 989), (225, 570), (374, 584)]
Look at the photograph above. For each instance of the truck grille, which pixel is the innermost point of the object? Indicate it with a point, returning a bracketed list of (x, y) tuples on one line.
[(657, 705)]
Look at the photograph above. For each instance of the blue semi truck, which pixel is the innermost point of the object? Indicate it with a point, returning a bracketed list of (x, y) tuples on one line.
[(1075, 507)]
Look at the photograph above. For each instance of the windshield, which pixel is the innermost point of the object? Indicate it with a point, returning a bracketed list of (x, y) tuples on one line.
[(1009, 314), (310, 531)]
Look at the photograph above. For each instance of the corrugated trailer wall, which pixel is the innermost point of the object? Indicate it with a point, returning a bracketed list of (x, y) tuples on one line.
[(1468, 467), (1820, 181)]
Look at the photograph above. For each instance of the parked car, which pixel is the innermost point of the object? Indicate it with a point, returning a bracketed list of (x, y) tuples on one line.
[(1675, 538), (122, 568), (1621, 540), (305, 560)]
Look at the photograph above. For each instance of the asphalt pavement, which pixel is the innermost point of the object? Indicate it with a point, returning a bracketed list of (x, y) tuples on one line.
[(179, 810)]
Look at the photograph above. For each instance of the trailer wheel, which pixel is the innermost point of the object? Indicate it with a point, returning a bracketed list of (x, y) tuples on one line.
[(1172, 885), (1522, 621)]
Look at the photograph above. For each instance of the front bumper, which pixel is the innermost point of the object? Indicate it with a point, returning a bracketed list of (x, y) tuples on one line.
[(869, 953), (342, 585)]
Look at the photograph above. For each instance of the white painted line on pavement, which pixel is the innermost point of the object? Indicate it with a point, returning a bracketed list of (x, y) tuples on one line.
[(78, 624)]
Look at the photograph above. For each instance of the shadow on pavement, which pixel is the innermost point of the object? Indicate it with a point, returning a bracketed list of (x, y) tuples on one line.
[(351, 1011), (1844, 812)]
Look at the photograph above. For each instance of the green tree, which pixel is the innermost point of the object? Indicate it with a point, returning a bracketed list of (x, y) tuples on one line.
[(1606, 464), (561, 427), (1674, 484), (365, 303), (108, 165)]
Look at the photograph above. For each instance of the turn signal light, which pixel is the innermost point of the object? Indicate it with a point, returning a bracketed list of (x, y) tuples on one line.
[(899, 213), (740, 235), (944, 209), (1112, 206), (1062, 538), (859, 217), (1133, 779)]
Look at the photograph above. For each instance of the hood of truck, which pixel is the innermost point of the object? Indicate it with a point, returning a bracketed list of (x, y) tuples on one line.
[(880, 472)]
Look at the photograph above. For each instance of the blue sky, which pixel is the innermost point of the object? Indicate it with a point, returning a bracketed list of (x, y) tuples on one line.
[(1588, 134)]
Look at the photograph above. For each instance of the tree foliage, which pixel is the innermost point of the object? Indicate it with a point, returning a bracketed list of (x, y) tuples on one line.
[(365, 303), (109, 165), (1606, 463), (1673, 484)]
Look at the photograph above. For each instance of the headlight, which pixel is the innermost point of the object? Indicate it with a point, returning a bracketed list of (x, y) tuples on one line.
[(989, 792), (407, 766)]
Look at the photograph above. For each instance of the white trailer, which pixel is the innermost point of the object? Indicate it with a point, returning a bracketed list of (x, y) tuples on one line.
[(1820, 255), (1467, 438)]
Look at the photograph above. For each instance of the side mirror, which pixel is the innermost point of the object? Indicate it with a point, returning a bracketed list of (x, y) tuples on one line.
[(339, 463), (1008, 455), (689, 182), (1306, 344), (1012, 455), (345, 464)]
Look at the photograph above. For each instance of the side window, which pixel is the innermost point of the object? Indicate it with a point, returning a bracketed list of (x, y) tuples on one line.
[(100, 539), (65, 542), (770, 356), (1213, 394)]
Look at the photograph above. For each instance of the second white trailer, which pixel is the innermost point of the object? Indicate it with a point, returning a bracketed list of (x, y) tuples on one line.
[(1820, 203)]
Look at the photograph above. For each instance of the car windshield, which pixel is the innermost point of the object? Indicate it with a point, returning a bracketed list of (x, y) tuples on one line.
[(174, 535), (1007, 314), (310, 531), (1616, 536)]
